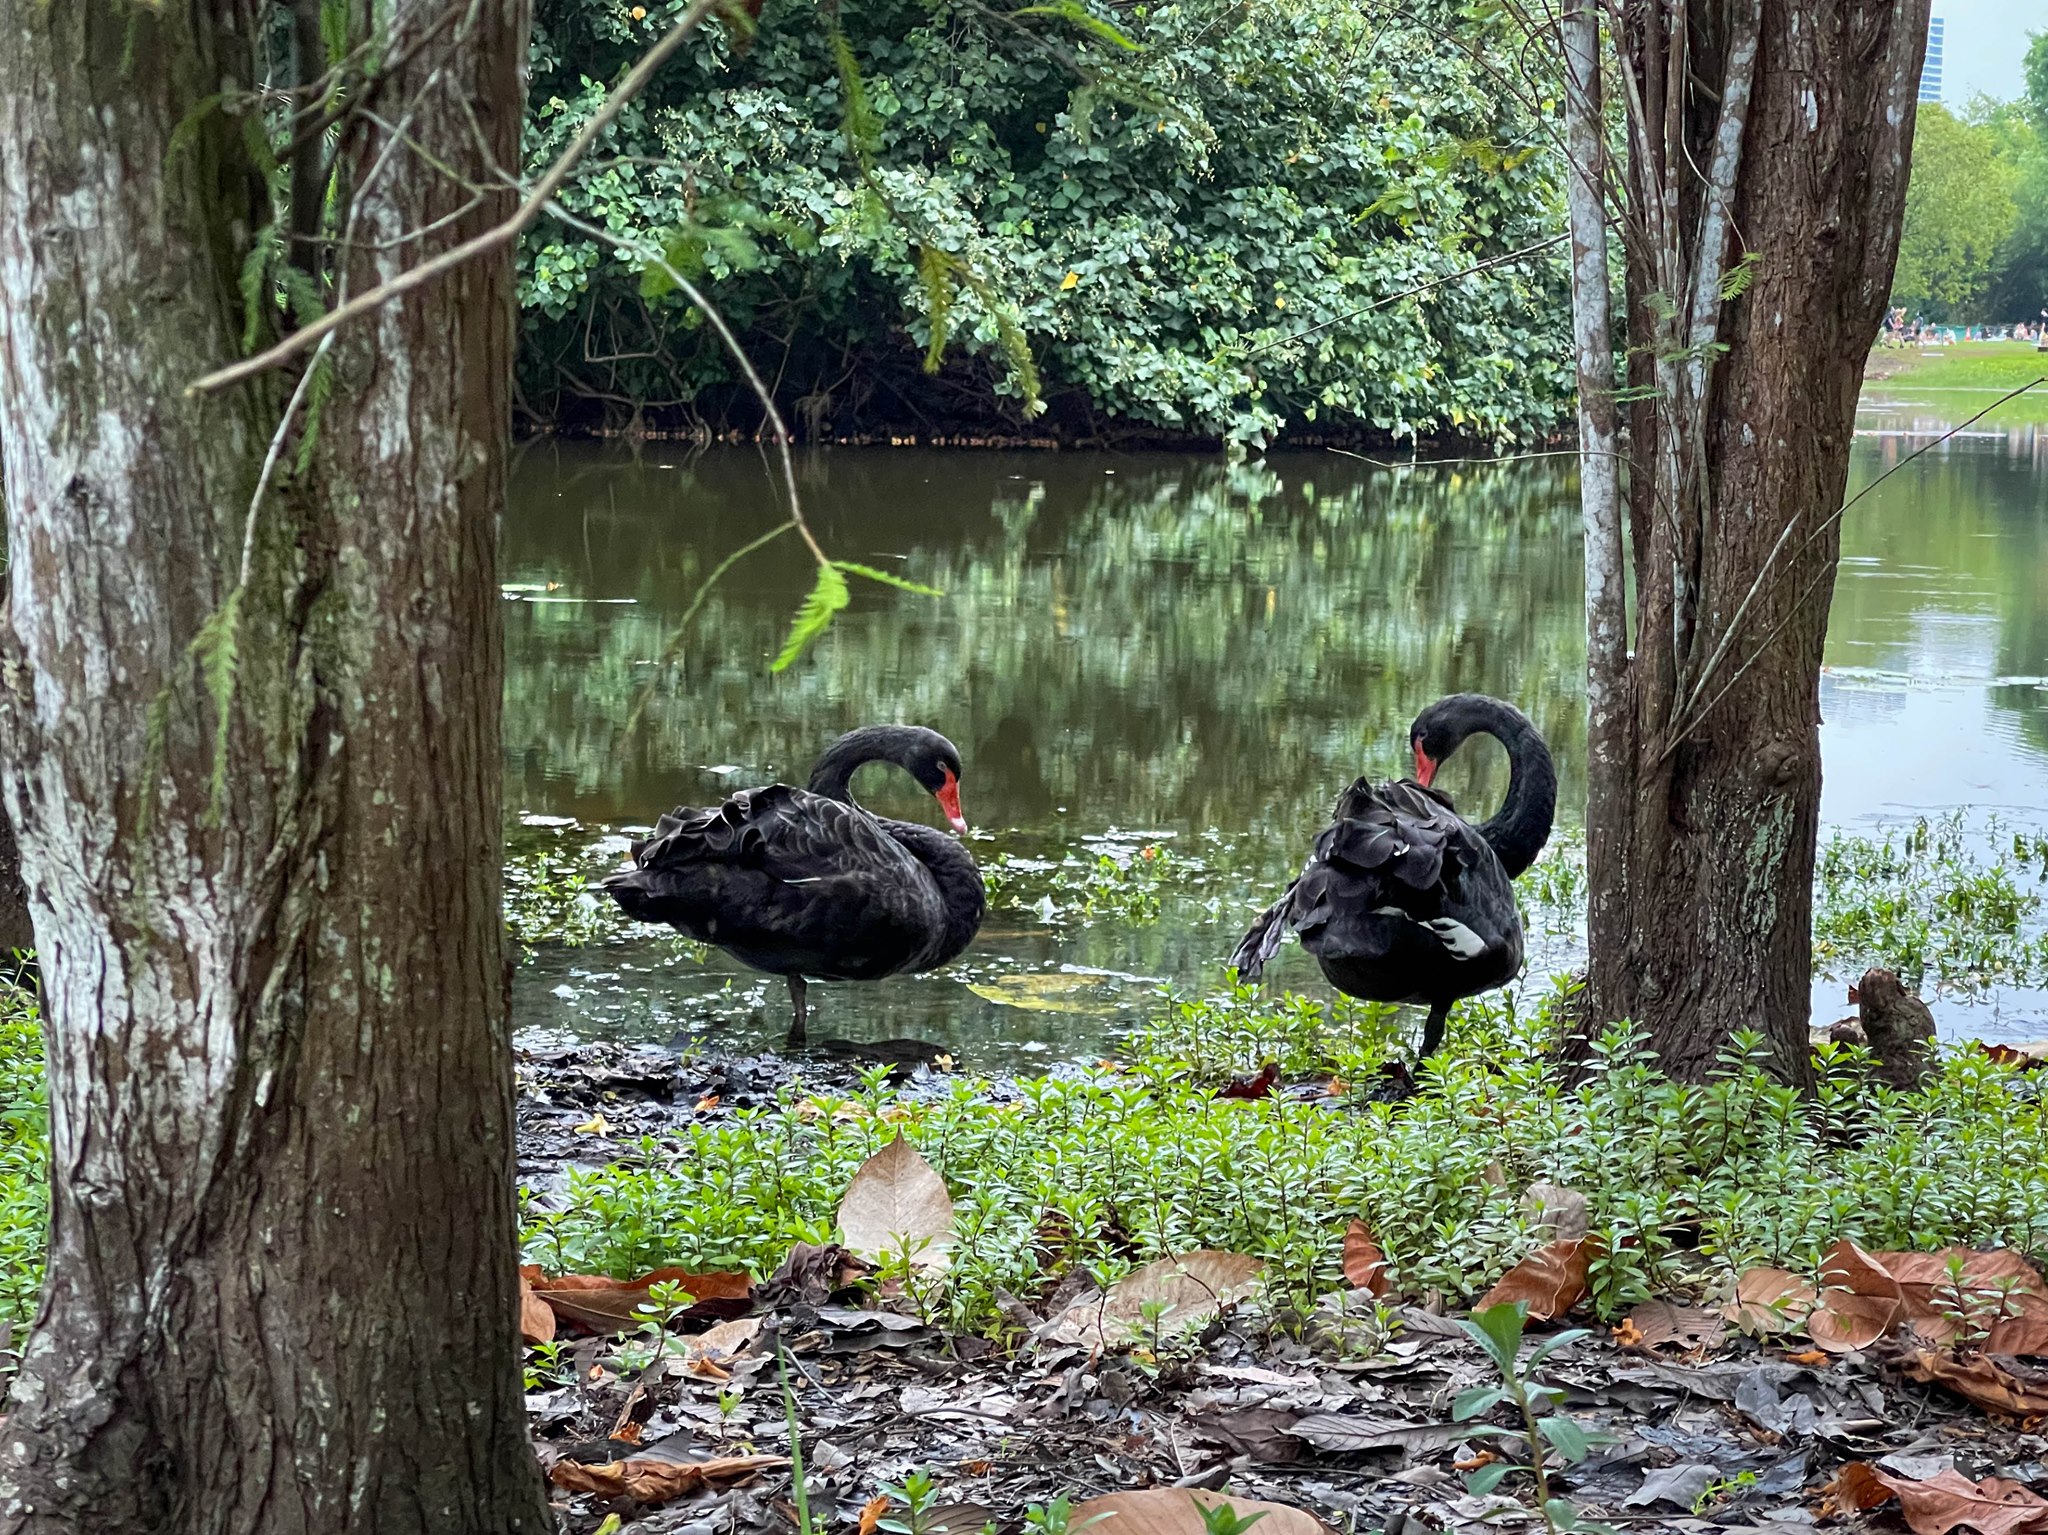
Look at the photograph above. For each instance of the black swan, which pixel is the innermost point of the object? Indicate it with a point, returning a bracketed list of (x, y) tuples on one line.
[(804, 883), (1403, 899)]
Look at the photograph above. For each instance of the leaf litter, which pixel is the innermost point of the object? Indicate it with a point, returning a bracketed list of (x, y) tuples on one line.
[(1887, 1388)]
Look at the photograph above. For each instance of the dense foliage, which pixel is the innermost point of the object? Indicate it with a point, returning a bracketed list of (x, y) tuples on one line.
[(1149, 224)]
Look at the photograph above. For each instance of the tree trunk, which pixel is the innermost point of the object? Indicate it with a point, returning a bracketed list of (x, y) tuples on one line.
[(255, 772), (1737, 477)]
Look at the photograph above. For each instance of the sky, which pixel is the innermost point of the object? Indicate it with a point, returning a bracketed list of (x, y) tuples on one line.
[(1986, 41)]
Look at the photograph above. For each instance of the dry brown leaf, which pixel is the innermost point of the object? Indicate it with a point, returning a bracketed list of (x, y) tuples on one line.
[(1871, 1294), (1365, 1266), (1561, 1214), (1860, 1301), (1986, 1381), (1190, 1288), (896, 1205), (658, 1481), (2018, 1335), (708, 1354), (1659, 1324), (1770, 1300), (1177, 1511), (1552, 1279), (536, 1318), (598, 1304), (1943, 1503), (871, 1513)]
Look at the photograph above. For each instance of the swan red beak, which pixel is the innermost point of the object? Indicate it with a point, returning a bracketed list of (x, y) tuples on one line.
[(1425, 765), (948, 796)]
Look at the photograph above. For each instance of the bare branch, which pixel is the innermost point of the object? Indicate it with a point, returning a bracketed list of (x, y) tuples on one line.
[(491, 239)]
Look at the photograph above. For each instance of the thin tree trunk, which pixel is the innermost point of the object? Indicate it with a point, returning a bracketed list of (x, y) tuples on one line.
[(1806, 143), (1607, 706), (255, 769)]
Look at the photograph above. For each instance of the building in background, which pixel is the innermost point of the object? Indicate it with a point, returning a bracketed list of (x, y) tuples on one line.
[(1930, 72)]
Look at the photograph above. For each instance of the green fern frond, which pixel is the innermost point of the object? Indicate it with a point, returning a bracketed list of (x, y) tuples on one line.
[(1735, 282), (1077, 15), (863, 129), (254, 281), (870, 573), (217, 649), (318, 389), (935, 271), (827, 597)]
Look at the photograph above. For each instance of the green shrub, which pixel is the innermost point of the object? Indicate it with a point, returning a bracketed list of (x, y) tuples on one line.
[(1157, 221)]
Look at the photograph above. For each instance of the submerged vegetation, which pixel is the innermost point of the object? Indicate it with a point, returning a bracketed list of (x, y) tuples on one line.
[(1162, 224)]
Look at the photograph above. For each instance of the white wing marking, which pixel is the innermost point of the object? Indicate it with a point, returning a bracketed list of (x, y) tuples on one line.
[(1457, 937)]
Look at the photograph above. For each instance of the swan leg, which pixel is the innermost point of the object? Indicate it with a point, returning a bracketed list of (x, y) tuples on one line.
[(797, 1013), (1433, 1031)]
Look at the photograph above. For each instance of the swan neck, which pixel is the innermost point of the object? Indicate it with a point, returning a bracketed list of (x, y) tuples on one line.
[(1521, 826)]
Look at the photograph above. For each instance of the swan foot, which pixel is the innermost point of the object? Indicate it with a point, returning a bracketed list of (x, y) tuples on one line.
[(797, 1015)]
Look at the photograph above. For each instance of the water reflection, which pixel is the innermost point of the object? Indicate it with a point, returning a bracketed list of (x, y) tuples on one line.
[(1176, 648)]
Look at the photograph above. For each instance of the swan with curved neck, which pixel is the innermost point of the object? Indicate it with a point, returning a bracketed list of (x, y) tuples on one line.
[(1404, 900), (805, 884)]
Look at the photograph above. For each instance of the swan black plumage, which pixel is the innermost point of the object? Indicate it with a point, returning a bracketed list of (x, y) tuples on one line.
[(804, 883), (1403, 899)]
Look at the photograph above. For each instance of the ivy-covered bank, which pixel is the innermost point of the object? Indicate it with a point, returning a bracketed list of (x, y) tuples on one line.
[(1254, 221)]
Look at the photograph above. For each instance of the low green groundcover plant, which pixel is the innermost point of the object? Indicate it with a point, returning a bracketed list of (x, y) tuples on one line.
[(1106, 1169)]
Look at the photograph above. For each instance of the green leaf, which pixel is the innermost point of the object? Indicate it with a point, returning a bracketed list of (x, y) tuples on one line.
[(1499, 1331), (827, 596), (1471, 1403), (1561, 1515), (886, 579), (1566, 1437), (1486, 1478)]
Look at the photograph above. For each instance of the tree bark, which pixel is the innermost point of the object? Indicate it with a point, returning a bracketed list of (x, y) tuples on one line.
[(255, 773), (1802, 116)]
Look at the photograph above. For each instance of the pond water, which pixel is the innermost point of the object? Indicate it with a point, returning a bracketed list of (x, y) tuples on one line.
[(1167, 651)]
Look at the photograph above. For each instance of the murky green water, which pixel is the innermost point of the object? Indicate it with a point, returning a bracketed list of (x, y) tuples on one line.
[(1150, 649)]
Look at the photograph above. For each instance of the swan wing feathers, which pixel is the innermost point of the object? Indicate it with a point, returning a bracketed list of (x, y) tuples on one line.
[(785, 833), (1263, 941)]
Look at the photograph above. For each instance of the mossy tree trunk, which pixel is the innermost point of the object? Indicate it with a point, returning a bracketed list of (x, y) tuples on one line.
[(1781, 133), (255, 771)]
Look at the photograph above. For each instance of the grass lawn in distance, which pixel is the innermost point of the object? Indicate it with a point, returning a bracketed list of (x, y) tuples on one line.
[(1960, 379)]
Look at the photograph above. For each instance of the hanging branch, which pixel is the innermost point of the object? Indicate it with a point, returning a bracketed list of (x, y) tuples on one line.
[(491, 239)]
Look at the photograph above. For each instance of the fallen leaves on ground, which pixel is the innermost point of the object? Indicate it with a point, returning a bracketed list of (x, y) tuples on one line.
[(1365, 1265), (1659, 1324), (897, 1205), (1867, 1296), (1189, 1288), (1771, 1300), (659, 1481), (598, 1304), (1178, 1511), (1986, 1380), (536, 1317), (1943, 1502), (1552, 1280)]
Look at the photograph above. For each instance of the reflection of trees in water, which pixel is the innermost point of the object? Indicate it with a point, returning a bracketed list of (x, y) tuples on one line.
[(1961, 533), (1175, 644)]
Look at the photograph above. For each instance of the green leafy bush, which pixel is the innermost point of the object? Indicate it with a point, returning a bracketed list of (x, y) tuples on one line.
[(1153, 223)]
